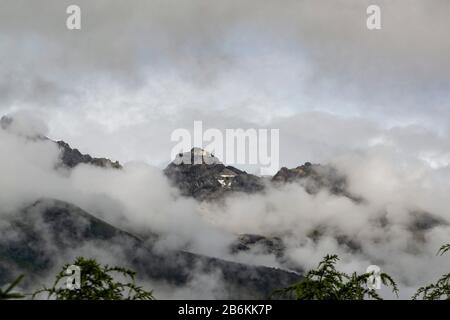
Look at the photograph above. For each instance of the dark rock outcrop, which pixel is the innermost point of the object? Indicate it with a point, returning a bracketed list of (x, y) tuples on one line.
[(205, 178), (72, 157), (316, 177), (200, 175)]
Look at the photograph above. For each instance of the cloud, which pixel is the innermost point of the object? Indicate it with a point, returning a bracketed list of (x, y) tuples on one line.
[(373, 103), (394, 186), (152, 61)]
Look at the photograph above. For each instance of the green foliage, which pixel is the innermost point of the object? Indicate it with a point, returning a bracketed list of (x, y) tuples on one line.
[(7, 294), (444, 249), (326, 283), (439, 290), (97, 283)]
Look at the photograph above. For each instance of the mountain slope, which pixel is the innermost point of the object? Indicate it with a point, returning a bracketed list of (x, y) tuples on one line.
[(72, 157), (47, 230)]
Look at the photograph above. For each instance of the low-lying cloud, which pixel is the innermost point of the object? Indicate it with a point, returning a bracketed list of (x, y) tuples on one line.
[(140, 199), (374, 104)]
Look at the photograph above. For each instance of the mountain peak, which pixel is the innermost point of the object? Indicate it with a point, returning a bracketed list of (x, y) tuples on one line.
[(72, 157), (196, 156), (200, 174)]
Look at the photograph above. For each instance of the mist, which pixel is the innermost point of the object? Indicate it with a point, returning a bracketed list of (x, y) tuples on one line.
[(140, 199), (374, 105)]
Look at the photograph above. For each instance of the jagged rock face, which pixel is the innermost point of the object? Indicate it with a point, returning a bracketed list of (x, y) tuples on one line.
[(196, 156), (209, 179), (290, 175), (200, 175), (72, 157), (42, 233), (316, 177)]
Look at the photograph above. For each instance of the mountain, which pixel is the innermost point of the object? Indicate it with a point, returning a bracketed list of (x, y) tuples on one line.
[(72, 157), (47, 230), (316, 177), (200, 175), (41, 236)]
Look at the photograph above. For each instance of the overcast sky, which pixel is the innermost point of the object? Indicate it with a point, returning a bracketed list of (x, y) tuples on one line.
[(376, 104), (137, 70)]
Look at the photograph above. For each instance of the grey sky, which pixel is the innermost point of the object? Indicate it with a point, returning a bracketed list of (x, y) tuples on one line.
[(139, 69)]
